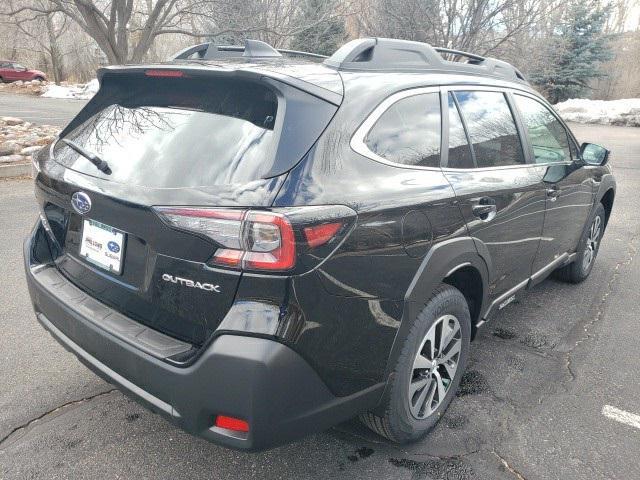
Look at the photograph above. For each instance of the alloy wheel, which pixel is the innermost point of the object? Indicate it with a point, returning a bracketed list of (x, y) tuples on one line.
[(592, 243), (435, 366)]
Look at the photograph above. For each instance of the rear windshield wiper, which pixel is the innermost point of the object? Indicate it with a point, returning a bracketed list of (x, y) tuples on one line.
[(92, 157)]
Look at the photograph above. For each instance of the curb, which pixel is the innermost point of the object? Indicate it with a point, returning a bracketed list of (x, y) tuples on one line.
[(16, 170)]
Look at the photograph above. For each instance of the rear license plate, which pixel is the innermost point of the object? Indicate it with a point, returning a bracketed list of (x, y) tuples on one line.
[(102, 245)]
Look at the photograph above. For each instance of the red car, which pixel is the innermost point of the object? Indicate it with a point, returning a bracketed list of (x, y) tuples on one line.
[(12, 71)]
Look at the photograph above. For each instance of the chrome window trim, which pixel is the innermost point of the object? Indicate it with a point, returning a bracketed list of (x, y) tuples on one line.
[(502, 167), (357, 140)]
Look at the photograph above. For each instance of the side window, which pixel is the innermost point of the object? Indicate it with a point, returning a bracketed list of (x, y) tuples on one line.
[(491, 128), (408, 132), (459, 150), (547, 135)]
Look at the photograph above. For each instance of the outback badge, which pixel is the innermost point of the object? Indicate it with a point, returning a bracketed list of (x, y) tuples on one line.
[(209, 287)]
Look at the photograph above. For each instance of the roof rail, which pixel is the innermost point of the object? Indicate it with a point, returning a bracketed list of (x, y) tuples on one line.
[(387, 54), (251, 49), (298, 53), (459, 53)]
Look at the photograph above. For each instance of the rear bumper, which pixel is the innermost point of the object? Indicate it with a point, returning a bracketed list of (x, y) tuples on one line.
[(257, 379)]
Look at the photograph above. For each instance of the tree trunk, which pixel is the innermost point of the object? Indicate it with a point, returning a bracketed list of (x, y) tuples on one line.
[(54, 51)]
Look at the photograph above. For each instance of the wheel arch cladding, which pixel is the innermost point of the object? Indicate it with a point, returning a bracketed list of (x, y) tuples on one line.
[(468, 280), (443, 262), (607, 202), (456, 260)]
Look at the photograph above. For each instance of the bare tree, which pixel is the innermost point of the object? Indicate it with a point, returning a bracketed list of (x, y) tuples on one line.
[(126, 29), (477, 25), (273, 21), (42, 31), (109, 23), (621, 10)]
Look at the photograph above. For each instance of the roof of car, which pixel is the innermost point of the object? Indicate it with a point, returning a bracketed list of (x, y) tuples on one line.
[(370, 54), (395, 64)]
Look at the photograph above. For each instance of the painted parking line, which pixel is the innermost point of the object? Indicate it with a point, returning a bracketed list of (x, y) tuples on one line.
[(621, 416)]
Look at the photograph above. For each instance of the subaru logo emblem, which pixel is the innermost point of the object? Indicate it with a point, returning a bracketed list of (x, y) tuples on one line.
[(113, 246), (81, 202)]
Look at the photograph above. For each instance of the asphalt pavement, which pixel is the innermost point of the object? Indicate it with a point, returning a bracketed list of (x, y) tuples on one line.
[(530, 406), (46, 111)]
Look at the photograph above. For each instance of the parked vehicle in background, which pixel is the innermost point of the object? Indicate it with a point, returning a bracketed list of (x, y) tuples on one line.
[(260, 247), (12, 72)]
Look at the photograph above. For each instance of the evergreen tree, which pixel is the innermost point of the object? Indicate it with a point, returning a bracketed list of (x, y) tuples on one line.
[(323, 37), (577, 50)]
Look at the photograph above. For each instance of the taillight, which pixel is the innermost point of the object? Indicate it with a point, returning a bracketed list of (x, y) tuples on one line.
[(317, 235), (264, 240), (269, 241), (223, 226)]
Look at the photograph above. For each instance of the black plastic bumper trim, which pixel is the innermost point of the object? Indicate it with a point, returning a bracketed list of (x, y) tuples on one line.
[(146, 339), (106, 371), (259, 380)]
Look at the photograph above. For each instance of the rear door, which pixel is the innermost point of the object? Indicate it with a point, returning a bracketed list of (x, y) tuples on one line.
[(568, 183), (501, 196), (19, 72)]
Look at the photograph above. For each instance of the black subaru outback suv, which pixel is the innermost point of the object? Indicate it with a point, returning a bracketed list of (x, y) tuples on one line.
[(258, 245)]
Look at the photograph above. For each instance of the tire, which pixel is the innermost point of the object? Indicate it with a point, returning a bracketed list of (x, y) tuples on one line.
[(587, 250), (404, 421), (1, 80), (40, 79)]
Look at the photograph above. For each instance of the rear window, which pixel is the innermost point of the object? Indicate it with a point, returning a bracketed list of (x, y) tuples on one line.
[(178, 132)]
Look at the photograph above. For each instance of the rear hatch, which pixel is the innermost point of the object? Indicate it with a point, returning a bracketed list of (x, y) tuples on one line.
[(153, 140)]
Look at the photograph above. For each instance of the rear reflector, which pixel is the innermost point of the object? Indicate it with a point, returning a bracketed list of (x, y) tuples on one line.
[(321, 234), (230, 423), (164, 73)]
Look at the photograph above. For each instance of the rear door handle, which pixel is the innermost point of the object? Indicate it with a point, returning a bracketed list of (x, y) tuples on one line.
[(553, 193), (484, 211)]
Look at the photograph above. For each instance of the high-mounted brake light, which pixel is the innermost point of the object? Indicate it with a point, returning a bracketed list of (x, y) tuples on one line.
[(231, 423), (164, 73)]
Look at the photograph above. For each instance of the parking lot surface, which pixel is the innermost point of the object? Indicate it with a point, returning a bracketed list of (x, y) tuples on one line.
[(45, 111), (551, 391)]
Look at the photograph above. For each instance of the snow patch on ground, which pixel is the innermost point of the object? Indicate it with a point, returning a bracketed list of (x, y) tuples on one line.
[(81, 91), (625, 112)]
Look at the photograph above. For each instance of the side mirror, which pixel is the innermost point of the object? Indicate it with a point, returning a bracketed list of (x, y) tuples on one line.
[(593, 154)]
